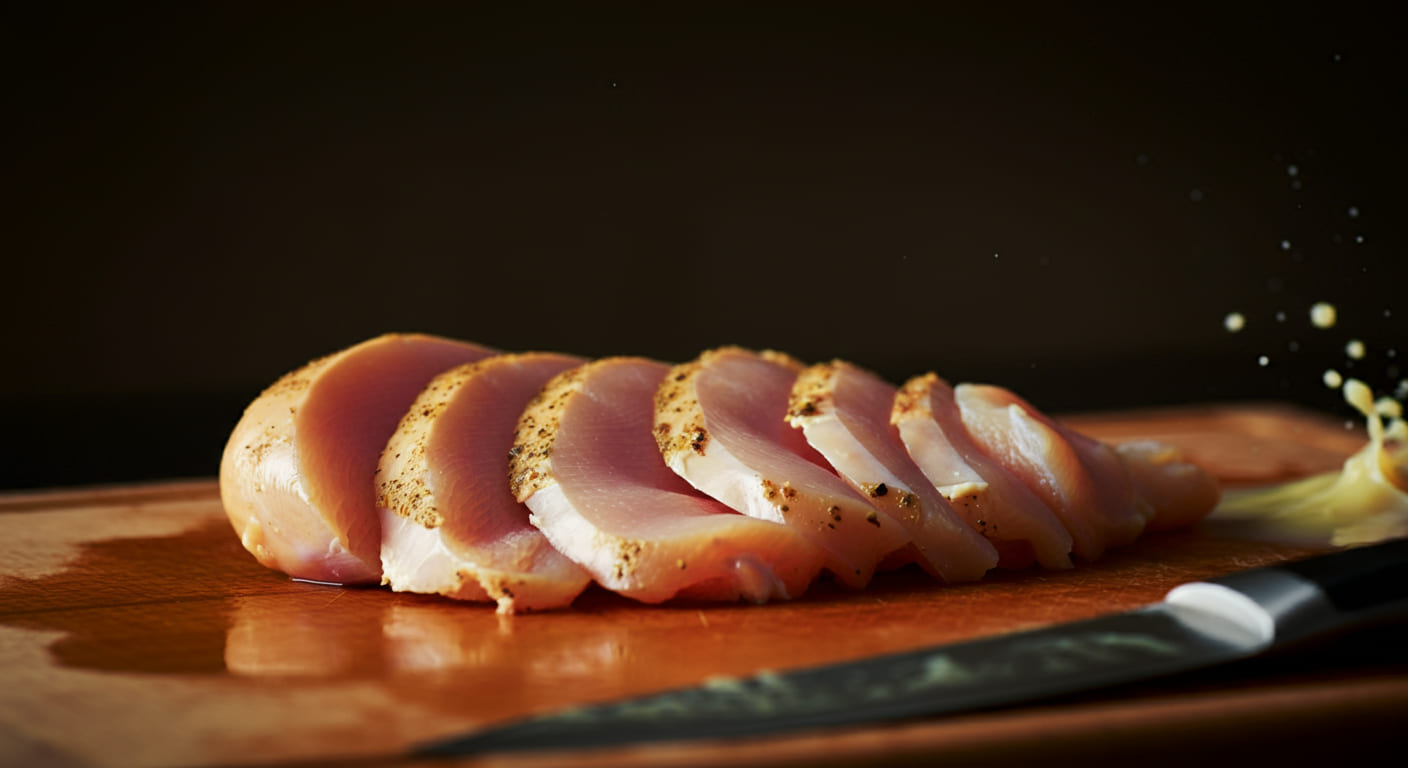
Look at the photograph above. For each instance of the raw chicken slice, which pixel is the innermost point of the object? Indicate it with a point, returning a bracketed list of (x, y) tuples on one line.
[(721, 424), (585, 462), (982, 491), (449, 523), (845, 414), (1082, 480), (296, 477), (1181, 493)]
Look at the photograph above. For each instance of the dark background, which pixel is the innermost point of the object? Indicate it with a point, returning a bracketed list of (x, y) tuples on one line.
[(201, 197)]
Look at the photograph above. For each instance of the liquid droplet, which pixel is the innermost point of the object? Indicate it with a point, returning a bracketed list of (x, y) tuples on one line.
[(1353, 211), (1235, 321), (1332, 378), (1355, 349), (1263, 361), (1358, 394), (1285, 245), (1323, 314), (1196, 195)]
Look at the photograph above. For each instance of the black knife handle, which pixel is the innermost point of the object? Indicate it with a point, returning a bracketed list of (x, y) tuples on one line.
[(1323, 594), (1359, 579)]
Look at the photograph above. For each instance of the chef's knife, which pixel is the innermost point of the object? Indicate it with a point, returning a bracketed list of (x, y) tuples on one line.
[(1197, 625)]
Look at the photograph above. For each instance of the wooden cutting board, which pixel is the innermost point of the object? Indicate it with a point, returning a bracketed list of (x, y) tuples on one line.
[(134, 630)]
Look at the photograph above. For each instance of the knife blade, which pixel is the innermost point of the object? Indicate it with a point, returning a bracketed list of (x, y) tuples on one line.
[(1197, 625)]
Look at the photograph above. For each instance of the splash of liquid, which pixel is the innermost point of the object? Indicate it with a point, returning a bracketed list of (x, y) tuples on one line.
[(1365, 502)]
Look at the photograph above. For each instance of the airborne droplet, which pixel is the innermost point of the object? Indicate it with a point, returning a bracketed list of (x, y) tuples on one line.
[(1323, 314), (1358, 394)]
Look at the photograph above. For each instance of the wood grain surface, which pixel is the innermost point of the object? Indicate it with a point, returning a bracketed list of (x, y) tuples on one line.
[(134, 630)]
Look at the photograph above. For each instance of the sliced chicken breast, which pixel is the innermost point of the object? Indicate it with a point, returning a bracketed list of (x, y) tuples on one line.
[(449, 523), (983, 492), (844, 412), (585, 462), (1180, 493), (297, 475), (1083, 481), (720, 422)]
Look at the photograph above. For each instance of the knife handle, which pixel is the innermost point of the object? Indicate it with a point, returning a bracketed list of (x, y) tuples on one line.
[(1371, 578), (1286, 603)]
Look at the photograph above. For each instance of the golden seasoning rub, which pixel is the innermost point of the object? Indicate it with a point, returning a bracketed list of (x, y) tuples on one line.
[(811, 395), (528, 470), (627, 557), (770, 355), (698, 437), (680, 424), (912, 400), (413, 499), (874, 490)]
